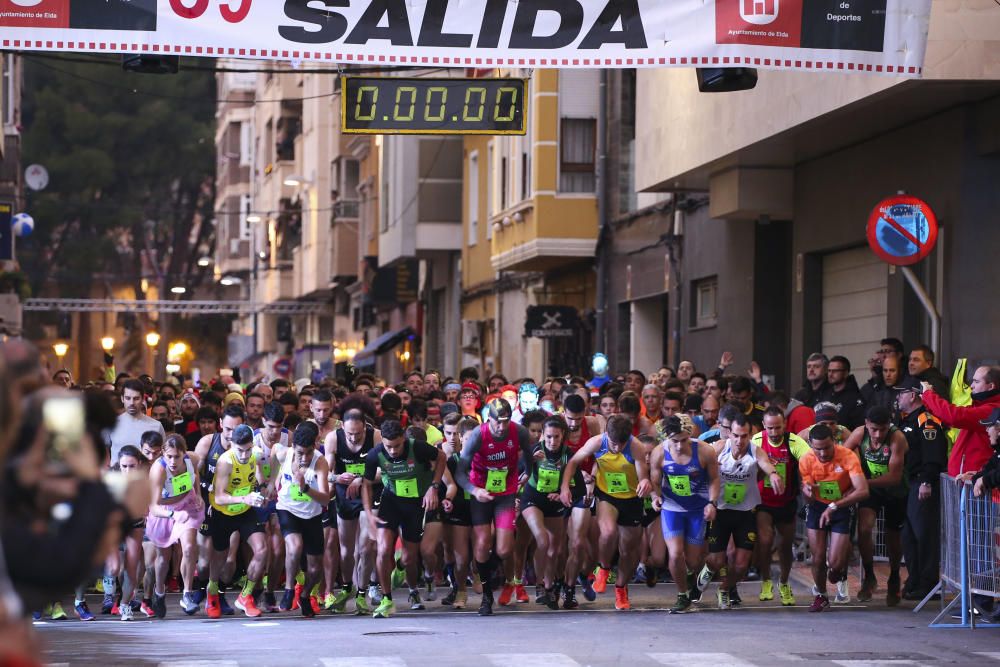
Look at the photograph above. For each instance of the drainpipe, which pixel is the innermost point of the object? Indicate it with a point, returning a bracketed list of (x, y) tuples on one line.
[(600, 325)]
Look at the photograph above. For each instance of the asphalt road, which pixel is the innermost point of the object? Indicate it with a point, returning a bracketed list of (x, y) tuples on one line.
[(528, 635)]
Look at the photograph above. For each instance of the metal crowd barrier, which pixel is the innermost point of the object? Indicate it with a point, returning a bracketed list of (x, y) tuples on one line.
[(970, 553)]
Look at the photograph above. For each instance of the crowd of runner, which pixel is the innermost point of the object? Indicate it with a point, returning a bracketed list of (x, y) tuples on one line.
[(334, 498)]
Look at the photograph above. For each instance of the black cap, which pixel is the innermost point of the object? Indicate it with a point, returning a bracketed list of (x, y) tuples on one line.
[(448, 408), (994, 418), (909, 383)]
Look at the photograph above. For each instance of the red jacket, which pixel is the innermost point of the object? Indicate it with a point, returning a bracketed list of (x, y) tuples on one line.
[(972, 449), (800, 418)]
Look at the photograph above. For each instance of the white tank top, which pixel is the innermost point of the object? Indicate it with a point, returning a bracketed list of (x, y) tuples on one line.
[(738, 478), (289, 498)]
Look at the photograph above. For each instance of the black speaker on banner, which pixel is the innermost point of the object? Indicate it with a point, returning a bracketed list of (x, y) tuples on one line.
[(726, 79)]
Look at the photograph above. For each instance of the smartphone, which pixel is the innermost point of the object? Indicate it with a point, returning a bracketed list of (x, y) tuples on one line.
[(64, 419)]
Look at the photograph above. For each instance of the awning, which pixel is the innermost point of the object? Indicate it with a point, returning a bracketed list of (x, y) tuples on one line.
[(381, 345)]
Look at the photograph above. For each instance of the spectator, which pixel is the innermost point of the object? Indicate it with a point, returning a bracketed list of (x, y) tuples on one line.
[(879, 390), (922, 367), (797, 416), (843, 392), (972, 448), (133, 422), (816, 384)]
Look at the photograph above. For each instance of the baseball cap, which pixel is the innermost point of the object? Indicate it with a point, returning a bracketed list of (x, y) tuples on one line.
[(499, 409), (994, 418), (826, 412), (909, 383), (449, 408)]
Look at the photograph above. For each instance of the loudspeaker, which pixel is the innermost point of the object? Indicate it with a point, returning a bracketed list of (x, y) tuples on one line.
[(726, 79), (149, 64)]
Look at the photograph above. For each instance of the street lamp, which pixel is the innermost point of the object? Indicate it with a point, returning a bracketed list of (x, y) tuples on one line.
[(178, 290), (60, 349), (152, 339), (107, 344)]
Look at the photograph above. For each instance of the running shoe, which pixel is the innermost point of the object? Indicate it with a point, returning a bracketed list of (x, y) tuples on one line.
[(270, 602), (374, 594), (146, 607), (198, 596), (682, 605), (735, 601), (588, 589), (160, 605), (81, 609), (520, 594), (361, 605), (694, 593), (36, 615), (136, 605), (174, 584), (819, 603), (449, 599), (126, 612), (723, 596), (766, 590), (286, 600), (843, 592), (305, 605), (553, 597), (601, 577), (398, 578), (385, 609), (892, 597), (640, 574), (213, 607), (621, 598), (416, 604), (107, 604), (704, 578), (868, 586), (296, 595), (569, 598), (189, 606), (57, 613), (430, 596), (338, 603), (541, 595), (461, 600), (613, 577), (246, 604), (486, 606), (652, 577), (787, 597), (224, 605), (506, 593)]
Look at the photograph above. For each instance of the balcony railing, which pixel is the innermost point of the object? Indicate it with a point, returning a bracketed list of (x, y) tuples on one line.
[(346, 208)]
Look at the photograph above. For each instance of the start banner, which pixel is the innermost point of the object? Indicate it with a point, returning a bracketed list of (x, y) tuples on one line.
[(882, 36)]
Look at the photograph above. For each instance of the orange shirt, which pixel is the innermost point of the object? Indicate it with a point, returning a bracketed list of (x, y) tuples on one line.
[(831, 481)]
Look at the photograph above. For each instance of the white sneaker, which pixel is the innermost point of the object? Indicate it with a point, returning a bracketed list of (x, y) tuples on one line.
[(374, 595), (126, 611), (843, 593)]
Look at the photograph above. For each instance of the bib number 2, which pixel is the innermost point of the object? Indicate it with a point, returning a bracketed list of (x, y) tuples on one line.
[(548, 480)]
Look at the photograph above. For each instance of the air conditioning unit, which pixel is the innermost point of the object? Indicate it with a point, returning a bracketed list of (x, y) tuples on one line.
[(471, 334)]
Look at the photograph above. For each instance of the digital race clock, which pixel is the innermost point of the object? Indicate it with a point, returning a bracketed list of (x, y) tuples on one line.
[(390, 105)]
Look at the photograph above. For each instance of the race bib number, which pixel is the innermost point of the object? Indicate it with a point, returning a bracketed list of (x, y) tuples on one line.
[(829, 490), (356, 468), (496, 480), (734, 494), (298, 494), (878, 469), (617, 482), (680, 484), (180, 484), (240, 507), (407, 488), (782, 470), (548, 480), (647, 504), (266, 469)]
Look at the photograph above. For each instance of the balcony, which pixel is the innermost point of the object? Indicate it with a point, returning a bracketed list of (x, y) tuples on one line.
[(544, 233)]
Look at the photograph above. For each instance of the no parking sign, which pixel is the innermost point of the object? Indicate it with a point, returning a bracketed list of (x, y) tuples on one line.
[(902, 230)]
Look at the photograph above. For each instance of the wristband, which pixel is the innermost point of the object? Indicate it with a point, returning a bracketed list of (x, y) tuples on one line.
[(833, 506)]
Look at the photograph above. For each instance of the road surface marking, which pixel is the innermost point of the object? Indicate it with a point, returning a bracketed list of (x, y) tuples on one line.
[(532, 660), (699, 659), (381, 660), (200, 663)]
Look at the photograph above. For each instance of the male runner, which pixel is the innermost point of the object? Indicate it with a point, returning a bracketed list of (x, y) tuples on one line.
[(346, 451), (882, 448), (833, 483), (621, 481), (411, 472), (300, 479), (581, 428), (739, 461), (778, 508), (457, 516), (487, 469), (685, 478), (321, 407), (272, 436)]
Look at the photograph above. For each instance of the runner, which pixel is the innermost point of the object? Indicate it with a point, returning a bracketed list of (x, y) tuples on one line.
[(523, 537), (581, 551), (457, 517), (882, 448), (175, 513), (346, 451), (234, 497), (739, 461), (266, 440), (411, 472), (300, 479), (685, 477), (778, 508), (321, 408), (130, 460), (487, 469), (543, 510), (653, 548), (826, 413), (622, 480), (833, 483)]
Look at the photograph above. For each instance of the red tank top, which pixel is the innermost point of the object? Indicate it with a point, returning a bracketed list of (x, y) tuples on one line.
[(783, 460), (494, 466), (588, 465)]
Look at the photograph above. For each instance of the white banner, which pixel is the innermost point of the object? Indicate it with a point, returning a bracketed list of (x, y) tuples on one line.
[(887, 36)]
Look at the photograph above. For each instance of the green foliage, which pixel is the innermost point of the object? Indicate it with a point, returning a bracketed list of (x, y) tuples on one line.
[(131, 159)]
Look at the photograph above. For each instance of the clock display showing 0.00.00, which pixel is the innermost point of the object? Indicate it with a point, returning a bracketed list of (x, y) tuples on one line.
[(390, 105)]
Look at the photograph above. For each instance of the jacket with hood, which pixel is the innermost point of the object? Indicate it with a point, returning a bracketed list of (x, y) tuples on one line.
[(972, 447), (850, 404), (941, 384)]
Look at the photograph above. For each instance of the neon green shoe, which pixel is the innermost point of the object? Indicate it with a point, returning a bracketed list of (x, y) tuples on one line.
[(328, 602), (57, 612), (338, 602), (385, 609), (398, 577), (766, 590), (613, 577), (361, 607), (787, 597)]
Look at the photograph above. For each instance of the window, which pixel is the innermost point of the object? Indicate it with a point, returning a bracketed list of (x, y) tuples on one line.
[(490, 188), (245, 208), (9, 92), (504, 178), (704, 310), (473, 197), (577, 145), (246, 143)]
